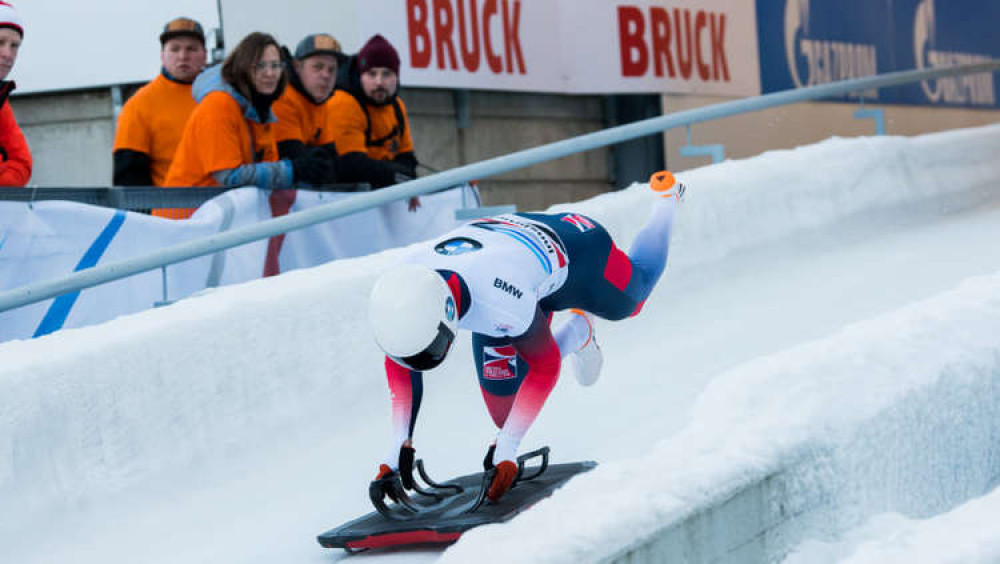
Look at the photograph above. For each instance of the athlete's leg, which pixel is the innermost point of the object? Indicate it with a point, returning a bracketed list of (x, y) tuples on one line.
[(573, 334), (541, 352), (500, 373), (648, 254), (576, 339)]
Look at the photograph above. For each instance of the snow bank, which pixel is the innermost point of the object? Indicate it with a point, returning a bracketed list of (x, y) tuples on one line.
[(738, 204), (898, 413), (87, 412), (967, 534)]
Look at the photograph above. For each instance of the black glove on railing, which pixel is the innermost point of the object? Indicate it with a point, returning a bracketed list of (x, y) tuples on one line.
[(314, 167)]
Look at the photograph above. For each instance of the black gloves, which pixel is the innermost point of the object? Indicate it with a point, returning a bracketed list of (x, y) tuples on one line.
[(315, 167), (406, 455), (488, 459), (402, 173)]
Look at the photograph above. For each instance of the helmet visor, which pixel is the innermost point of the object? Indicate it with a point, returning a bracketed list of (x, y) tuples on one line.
[(432, 355)]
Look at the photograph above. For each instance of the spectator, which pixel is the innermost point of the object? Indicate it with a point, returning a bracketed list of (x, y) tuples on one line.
[(152, 121), (229, 139), (302, 109), (15, 156), (369, 120)]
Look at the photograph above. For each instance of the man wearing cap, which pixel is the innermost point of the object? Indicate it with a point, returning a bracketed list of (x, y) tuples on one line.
[(15, 156), (369, 121), (302, 109), (152, 121)]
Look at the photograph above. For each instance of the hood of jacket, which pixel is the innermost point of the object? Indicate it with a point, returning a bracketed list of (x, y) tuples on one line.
[(210, 80)]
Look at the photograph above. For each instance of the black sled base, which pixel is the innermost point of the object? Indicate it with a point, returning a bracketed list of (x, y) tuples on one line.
[(442, 513)]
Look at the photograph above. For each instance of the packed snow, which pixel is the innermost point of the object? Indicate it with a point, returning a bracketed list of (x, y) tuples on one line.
[(965, 535), (827, 319)]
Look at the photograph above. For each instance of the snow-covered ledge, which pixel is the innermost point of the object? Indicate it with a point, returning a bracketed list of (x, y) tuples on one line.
[(897, 413)]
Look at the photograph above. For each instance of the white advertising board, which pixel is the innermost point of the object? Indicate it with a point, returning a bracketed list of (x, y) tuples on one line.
[(564, 46), (561, 46), (70, 44)]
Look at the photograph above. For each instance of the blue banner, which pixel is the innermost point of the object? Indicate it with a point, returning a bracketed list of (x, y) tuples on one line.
[(809, 42)]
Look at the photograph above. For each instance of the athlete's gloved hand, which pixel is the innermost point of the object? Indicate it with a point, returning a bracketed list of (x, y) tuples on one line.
[(314, 167), (504, 479), (488, 459), (406, 456), (384, 471)]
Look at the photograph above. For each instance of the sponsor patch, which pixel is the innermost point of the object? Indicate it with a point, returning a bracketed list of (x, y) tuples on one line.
[(499, 363), (457, 246)]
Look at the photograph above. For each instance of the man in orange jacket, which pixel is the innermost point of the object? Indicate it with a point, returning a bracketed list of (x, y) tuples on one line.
[(15, 156), (302, 109), (369, 121), (152, 121)]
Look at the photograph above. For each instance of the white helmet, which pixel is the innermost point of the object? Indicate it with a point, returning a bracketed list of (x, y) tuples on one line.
[(413, 315)]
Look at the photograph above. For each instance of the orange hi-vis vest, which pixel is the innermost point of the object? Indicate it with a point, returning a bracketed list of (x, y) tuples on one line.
[(377, 131), (152, 122), (218, 137), (299, 119)]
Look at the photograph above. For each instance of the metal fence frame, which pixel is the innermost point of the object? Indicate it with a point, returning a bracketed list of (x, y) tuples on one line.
[(83, 279)]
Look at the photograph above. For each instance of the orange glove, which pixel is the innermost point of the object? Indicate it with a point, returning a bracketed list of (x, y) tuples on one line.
[(506, 472)]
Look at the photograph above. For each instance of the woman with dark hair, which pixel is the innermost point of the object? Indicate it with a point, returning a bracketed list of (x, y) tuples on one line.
[(229, 140)]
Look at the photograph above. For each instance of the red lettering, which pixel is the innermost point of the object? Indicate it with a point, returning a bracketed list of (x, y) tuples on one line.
[(683, 40), (660, 24), (512, 36), (470, 55), (718, 48), (443, 25), (492, 59), (700, 22), (631, 27), (420, 36)]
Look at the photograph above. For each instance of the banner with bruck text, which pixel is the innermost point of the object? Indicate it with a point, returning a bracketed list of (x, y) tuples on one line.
[(562, 46), (51, 239)]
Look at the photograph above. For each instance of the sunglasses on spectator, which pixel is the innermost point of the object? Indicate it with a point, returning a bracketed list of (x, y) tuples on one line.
[(273, 65)]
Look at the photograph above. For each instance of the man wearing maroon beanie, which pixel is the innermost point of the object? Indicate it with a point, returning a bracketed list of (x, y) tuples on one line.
[(369, 122)]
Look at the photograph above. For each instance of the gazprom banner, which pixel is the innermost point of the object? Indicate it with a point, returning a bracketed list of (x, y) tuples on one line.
[(50, 239), (808, 42)]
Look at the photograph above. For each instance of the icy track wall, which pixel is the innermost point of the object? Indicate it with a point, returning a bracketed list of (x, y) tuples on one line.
[(804, 442), (88, 413), (897, 413)]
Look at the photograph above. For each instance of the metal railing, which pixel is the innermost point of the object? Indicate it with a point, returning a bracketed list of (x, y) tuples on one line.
[(25, 295), (142, 197)]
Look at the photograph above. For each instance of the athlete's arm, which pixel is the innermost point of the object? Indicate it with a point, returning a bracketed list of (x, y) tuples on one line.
[(406, 388)]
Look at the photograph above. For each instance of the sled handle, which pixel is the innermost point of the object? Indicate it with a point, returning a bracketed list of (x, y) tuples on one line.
[(484, 487), (543, 452), (427, 480), (390, 486)]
